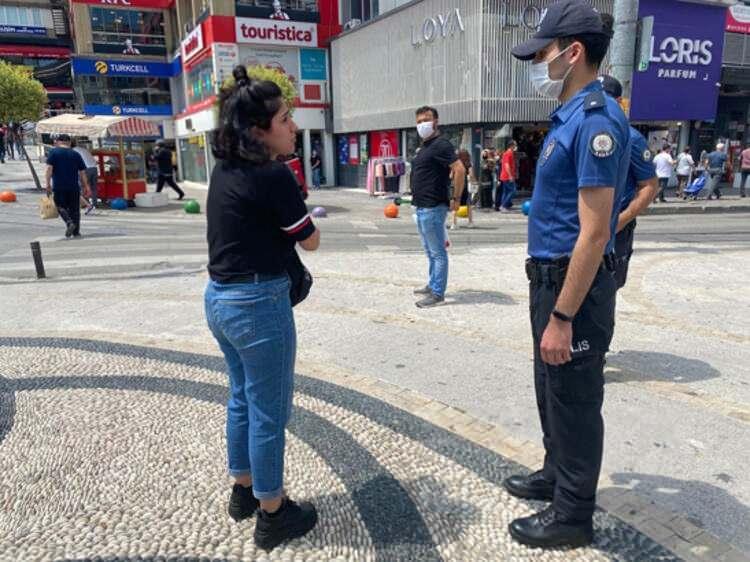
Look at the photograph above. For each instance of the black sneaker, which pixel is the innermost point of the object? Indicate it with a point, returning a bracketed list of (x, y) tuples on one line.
[(430, 300), (423, 290), (242, 503), (292, 520)]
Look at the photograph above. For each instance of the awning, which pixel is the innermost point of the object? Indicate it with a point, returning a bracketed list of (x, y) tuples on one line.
[(34, 51), (98, 126)]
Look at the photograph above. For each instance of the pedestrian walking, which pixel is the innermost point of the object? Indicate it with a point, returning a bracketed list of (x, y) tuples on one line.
[(580, 174), (685, 167), (431, 171), (641, 187), (9, 144), (256, 217), (166, 169), (716, 164), (508, 176), (664, 166), (66, 172), (744, 169), (315, 164), (486, 179), (465, 197), (92, 174), (18, 140), (2, 143)]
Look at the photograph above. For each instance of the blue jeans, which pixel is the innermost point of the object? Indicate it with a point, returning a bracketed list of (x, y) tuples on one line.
[(505, 195), (254, 326), (431, 225), (316, 178)]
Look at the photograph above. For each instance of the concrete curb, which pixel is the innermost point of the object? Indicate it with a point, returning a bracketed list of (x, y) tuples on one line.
[(671, 530), (696, 209)]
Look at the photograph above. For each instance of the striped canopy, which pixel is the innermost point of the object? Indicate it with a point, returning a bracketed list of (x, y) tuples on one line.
[(77, 125)]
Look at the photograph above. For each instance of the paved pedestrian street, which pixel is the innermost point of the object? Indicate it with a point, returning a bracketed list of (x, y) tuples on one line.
[(405, 422)]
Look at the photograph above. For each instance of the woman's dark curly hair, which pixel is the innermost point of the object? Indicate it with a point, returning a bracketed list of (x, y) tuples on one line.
[(246, 104)]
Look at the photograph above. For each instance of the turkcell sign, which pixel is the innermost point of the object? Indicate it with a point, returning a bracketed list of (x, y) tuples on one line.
[(107, 67), (120, 110), (684, 70), (276, 32)]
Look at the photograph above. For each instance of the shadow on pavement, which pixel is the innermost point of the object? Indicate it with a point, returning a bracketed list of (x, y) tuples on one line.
[(730, 518), (469, 296), (655, 366)]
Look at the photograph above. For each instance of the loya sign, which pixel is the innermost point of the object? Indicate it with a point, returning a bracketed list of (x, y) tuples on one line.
[(276, 32), (682, 79), (442, 25), (192, 44)]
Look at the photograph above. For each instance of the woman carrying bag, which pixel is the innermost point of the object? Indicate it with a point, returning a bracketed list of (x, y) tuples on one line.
[(256, 217)]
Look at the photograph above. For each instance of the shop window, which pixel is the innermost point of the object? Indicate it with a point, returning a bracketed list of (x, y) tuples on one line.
[(123, 90), (128, 32), (200, 82), (193, 159)]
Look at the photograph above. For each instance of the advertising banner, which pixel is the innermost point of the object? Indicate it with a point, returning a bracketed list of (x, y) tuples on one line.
[(738, 19), (192, 44), (226, 57), (283, 10), (276, 32), (23, 29), (313, 64), (684, 71), (383, 144), (161, 4), (284, 60), (343, 150), (108, 67), (354, 149)]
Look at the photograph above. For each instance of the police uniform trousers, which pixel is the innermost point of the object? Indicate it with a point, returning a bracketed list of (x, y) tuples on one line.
[(569, 397), (623, 252)]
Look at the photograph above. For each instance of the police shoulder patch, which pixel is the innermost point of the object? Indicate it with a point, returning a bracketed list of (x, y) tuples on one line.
[(602, 145), (647, 155)]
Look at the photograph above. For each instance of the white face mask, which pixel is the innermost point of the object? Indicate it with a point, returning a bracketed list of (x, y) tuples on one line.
[(545, 85), (425, 130)]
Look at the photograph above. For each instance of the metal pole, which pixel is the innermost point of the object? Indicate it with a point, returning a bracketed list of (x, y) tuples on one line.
[(622, 55), (36, 253)]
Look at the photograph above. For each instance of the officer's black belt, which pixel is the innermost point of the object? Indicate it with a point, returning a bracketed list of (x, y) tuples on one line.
[(552, 272)]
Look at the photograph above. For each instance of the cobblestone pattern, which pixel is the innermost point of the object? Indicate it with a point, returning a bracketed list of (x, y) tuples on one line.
[(117, 451)]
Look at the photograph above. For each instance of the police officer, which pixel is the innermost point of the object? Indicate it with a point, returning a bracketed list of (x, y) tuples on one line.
[(579, 183), (641, 188)]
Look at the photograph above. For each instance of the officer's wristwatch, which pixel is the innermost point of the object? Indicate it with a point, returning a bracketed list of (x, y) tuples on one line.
[(561, 316)]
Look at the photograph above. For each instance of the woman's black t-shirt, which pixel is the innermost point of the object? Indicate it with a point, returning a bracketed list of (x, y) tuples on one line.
[(255, 216)]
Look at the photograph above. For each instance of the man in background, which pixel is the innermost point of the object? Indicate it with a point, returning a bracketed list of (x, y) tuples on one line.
[(166, 169), (66, 172), (744, 168), (92, 173), (716, 164), (508, 176)]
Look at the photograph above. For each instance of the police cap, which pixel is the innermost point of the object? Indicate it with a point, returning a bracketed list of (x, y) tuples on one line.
[(565, 18)]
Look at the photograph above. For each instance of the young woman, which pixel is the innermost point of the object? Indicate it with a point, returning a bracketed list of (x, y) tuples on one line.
[(465, 158), (255, 217), (685, 166)]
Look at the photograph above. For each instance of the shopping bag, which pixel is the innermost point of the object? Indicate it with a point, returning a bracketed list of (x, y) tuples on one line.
[(47, 208)]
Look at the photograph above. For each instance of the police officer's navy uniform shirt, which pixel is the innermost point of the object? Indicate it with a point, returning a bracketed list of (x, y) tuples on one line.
[(588, 145), (255, 215), (430, 173), (641, 166), (66, 163)]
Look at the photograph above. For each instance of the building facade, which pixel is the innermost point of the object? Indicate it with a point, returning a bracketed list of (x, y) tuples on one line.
[(450, 54), (36, 34), (217, 35)]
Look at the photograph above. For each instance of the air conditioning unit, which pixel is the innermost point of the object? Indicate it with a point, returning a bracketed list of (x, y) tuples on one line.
[(352, 23)]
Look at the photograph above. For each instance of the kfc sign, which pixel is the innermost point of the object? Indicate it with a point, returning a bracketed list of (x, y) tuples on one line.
[(192, 44), (276, 32)]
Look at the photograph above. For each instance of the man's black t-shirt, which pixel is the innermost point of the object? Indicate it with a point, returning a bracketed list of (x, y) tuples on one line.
[(164, 161), (430, 173), (255, 216), (66, 163)]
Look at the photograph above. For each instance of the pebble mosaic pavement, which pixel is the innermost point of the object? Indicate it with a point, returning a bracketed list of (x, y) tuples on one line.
[(116, 452)]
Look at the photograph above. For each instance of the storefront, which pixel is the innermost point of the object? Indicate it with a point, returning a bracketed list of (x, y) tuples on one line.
[(453, 55)]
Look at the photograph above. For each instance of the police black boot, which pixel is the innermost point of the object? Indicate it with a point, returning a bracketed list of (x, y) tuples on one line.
[(242, 503), (532, 487), (547, 529), (290, 521)]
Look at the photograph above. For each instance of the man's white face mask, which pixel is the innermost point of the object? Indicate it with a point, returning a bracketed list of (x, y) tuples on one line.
[(426, 130)]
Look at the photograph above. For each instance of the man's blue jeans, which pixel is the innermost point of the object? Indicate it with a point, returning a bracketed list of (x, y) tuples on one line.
[(508, 190), (431, 225), (254, 326)]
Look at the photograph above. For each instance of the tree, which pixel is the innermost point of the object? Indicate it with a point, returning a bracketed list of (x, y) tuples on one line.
[(21, 99), (258, 72)]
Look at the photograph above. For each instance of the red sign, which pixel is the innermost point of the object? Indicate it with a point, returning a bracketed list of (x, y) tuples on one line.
[(738, 19), (161, 4), (383, 144), (192, 44)]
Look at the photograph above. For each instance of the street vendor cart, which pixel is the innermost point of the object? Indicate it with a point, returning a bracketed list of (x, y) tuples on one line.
[(119, 155)]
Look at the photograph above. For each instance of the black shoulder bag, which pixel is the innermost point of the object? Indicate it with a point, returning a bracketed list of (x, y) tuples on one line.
[(300, 277)]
